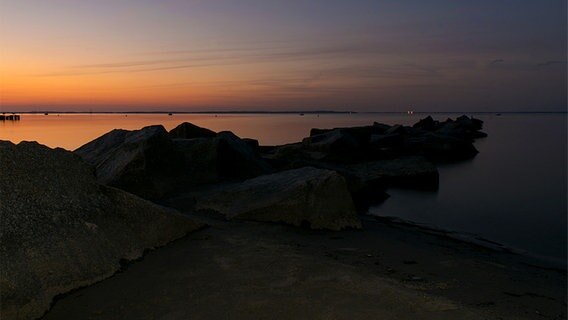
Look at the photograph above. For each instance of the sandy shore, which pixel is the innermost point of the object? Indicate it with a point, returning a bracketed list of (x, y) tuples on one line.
[(248, 270)]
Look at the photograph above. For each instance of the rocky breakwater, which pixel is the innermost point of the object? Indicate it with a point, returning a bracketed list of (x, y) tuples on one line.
[(375, 157), (193, 168), (61, 230), (437, 141), (190, 164)]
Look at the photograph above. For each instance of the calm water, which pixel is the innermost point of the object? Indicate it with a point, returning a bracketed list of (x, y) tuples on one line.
[(514, 192)]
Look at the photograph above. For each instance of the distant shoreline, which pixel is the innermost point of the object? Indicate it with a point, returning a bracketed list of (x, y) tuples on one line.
[(282, 112)]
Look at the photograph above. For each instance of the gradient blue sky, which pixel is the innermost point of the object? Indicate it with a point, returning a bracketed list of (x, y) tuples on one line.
[(283, 55)]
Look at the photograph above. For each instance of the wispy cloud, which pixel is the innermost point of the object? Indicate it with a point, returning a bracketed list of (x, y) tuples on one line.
[(550, 63), (496, 62), (185, 59)]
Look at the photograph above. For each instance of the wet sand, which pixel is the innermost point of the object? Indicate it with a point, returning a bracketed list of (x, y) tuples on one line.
[(248, 270)]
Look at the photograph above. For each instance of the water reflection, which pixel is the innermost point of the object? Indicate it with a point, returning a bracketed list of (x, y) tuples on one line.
[(70, 131)]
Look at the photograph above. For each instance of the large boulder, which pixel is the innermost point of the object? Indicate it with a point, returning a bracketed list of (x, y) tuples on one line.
[(335, 141), (144, 162), (463, 127), (385, 140), (291, 156), (368, 181), (253, 143), (338, 146), (396, 129), (470, 123), (188, 130), (61, 230), (308, 196), (428, 124), (360, 133), (98, 150), (226, 156)]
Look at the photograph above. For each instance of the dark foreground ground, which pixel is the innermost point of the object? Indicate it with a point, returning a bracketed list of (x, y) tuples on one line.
[(247, 270)]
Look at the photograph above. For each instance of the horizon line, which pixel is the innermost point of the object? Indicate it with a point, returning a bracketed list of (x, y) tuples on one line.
[(271, 112)]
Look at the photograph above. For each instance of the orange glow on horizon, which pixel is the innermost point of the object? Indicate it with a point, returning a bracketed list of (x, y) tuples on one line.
[(198, 55)]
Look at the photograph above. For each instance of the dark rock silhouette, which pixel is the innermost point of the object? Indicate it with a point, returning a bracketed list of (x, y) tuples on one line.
[(291, 155), (188, 130), (396, 129), (149, 163), (253, 143), (144, 162), (370, 159), (427, 124), (335, 144), (359, 132), (385, 140), (62, 230), (368, 181), (438, 141), (463, 127), (224, 157)]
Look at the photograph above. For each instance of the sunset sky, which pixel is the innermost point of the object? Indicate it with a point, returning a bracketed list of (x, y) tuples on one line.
[(362, 55)]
